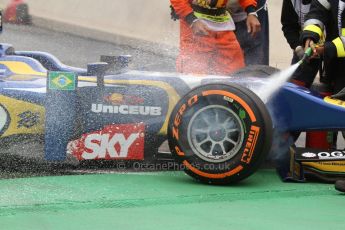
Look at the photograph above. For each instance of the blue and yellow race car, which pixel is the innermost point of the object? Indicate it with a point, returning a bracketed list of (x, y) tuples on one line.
[(218, 128)]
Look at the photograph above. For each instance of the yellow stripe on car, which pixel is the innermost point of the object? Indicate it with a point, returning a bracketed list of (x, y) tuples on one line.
[(21, 68), (333, 101), (19, 77), (327, 166)]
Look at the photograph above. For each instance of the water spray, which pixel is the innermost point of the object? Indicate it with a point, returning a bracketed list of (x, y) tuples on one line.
[(277, 80)]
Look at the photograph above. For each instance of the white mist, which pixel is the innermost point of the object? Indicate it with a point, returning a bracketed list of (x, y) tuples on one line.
[(275, 82)]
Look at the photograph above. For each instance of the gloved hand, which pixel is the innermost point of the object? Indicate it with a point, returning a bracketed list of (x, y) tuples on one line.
[(317, 50)]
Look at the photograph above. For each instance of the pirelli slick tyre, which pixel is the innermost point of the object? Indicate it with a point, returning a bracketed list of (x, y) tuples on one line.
[(220, 133)]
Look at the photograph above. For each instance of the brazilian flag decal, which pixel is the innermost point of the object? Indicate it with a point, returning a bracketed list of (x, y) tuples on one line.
[(62, 80)]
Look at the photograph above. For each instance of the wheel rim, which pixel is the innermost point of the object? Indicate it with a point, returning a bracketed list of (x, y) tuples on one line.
[(215, 133)]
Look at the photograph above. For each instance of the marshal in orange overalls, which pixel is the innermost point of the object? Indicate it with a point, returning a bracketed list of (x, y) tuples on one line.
[(217, 53)]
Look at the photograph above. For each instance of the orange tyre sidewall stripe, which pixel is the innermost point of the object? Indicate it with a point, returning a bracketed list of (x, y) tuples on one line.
[(236, 98), (212, 176)]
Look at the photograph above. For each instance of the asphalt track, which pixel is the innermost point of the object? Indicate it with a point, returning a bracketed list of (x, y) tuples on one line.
[(78, 51), (161, 200)]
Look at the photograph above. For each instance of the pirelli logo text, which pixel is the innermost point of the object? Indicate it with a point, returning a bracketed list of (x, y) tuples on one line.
[(250, 144)]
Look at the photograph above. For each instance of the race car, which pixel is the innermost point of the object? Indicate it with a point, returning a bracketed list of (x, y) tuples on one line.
[(219, 129)]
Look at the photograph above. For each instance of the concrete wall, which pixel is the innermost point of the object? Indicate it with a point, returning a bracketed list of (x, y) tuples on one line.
[(144, 23), (139, 19)]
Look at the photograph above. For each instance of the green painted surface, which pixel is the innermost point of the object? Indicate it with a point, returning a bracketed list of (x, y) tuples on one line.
[(167, 200)]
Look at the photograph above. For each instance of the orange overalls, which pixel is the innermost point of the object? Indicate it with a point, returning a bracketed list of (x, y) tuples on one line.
[(217, 53)]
